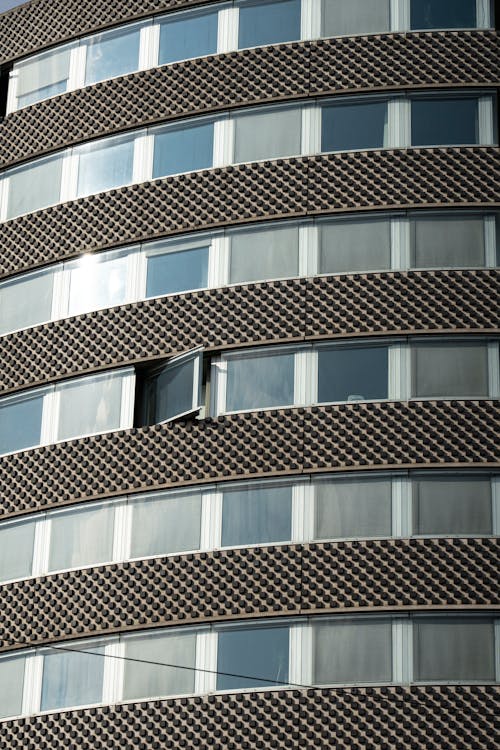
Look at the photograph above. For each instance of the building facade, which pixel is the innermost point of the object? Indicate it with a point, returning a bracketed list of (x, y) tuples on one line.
[(250, 374)]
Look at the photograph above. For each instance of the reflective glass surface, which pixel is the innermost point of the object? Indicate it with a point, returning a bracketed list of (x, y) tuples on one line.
[(89, 405), (268, 22), (452, 506), (268, 254), (169, 392), (450, 370), (34, 186), (16, 549), (72, 678), (352, 651), (11, 686), (256, 516), (82, 537), (267, 135), (252, 657), (26, 301), (111, 54), (20, 423), (105, 165), (351, 246), (150, 679), (447, 242), (188, 35), (177, 271), (97, 282), (354, 126), (352, 373), (443, 14), (165, 524), (341, 17), (260, 381), (444, 122), (183, 149), (353, 508)]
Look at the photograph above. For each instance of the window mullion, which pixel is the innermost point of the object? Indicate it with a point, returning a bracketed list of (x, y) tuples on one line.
[(485, 120), (114, 670), (227, 30), (308, 250), (127, 402), (149, 46), (493, 370), (495, 498), (60, 293), (401, 502), (310, 20), (497, 649), (223, 150), (398, 386), (400, 244), (206, 662), (143, 157), (301, 394), (483, 14), (218, 261), (299, 511), (122, 531), (32, 691), (218, 390), (490, 241), (12, 92), (4, 197), (77, 64), (400, 15), (300, 654), (399, 648), (50, 417), (41, 546), (398, 116), (310, 130), (69, 176)]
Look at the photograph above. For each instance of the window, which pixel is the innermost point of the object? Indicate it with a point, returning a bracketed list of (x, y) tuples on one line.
[(256, 515), (26, 301), (42, 76), (89, 405), (447, 241), (260, 381), (72, 678), (105, 165), (443, 14), (264, 254), (175, 267), (350, 373), (350, 508), (267, 135), (444, 121), (11, 685), (97, 281), (16, 551), (459, 648), (266, 22), (82, 537), (172, 390), (8, 4), (252, 657), (352, 650), (34, 186), (460, 505), (185, 35), (357, 125), (150, 669), (21, 422), (111, 54), (166, 523), (350, 17), (450, 370), (183, 149), (355, 245)]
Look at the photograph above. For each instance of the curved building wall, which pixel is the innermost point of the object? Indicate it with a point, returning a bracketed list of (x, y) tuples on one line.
[(300, 462)]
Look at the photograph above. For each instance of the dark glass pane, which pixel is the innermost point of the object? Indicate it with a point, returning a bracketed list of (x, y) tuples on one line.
[(177, 271), (443, 14), (256, 516), (349, 651), (351, 374), (347, 127), (452, 506), (258, 656), (444, 122), (269, 22), (447, 242), (353, 508), (183, 150), (350, 246), (260, 381), (447, 370), (20, 424), (170, 392), (188, 35)]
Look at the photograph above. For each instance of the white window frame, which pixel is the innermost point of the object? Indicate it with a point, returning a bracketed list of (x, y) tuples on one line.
[(197, 356)]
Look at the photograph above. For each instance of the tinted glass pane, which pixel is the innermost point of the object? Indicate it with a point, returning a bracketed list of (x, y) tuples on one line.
[(96, 283), (72, 679), (105, 166), (444, 122), (188, 35), (353, 508), (447, 370), (355, 17), (350, 651), (162, 525), (112, 54), (89, 406), (443, 14), (257, 657), (447, 242), (16, 550), (170, 392), (34, 187), (83, 537), (453, 649), (174, 272), (267, 135), (26, 302), (20, 424), (11, 686), (350, 246), (44, 76), (256, 516), (354, 126), (8, 4), (352, 374), (268, 22), (270, 254), (255, 382), (452, 506), (183, 150), (154, 680)]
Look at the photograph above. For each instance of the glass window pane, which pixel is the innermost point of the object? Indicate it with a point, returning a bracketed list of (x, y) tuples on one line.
[(352, 651), (170, 392), (188, 35), (347, 373), (177, 271), (89, 405), (8, 4), (266, 22), (267, 135), (257, 515), (34, 186), (183, 149), (354, 17), (443, 14), (355, 246), (155, 680), (267, 254), (260, 381), (257, 657), (11, 685), (97, 282), (20, 423), (348, 508), (72, 678), (16, 550), (452, 506), (456, 648), (26, 301), (105, 165), (447, 242), (112, 54), (43, 76), (444, 122), (81, 537), (450, 370), (347, 127), (165, 524)]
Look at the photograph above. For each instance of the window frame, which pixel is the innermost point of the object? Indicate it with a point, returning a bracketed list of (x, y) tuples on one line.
[(197, 402)]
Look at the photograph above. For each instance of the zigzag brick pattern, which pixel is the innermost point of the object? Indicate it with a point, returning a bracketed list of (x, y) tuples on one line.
[(275, 442), (247, 583), (250, 77), (446, 717), (281, 311), (252, 192)]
